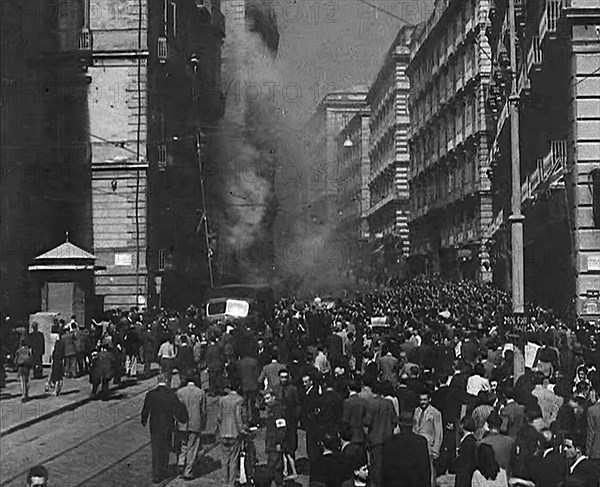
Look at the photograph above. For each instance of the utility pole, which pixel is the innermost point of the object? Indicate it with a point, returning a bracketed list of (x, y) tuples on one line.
[(195, 61), (516, 217)]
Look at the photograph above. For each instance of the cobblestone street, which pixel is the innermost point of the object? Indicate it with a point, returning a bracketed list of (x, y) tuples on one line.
[(102, 443)]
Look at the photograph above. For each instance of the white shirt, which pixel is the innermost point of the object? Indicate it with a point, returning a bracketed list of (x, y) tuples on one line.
[(166, 350), (476, 384)]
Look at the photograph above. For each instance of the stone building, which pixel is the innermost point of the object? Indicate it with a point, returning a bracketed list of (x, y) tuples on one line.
[(558, 78), (450, 200), (388, 211), (153, 100), (320, 134), (353, 200), (44, 149)]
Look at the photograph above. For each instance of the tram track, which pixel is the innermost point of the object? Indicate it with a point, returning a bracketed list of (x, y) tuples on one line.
[(97, 454)]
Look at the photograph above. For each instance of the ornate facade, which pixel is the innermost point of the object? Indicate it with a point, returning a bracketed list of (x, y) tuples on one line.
[(450, 200), (388, 211)]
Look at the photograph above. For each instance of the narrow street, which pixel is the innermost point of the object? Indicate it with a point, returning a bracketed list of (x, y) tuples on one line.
[(102, 443)]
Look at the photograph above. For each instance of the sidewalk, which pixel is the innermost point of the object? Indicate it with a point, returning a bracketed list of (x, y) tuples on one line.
[(15, 415)]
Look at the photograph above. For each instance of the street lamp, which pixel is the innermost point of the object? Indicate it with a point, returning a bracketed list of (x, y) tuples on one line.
[(348, 142)]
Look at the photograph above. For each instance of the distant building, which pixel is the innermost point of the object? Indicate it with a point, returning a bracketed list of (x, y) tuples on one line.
[(320, 132), (450, 200), (559, 109), (155, 88), (388, 210), (353, 201)]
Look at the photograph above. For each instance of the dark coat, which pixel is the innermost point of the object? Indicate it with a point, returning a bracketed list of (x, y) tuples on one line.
[(163, 407), (550, 470), (464, 465), (331, 409), (380, 419), (331, 470), (249, 373), (103, 367), (185, 359), (37, 342), (406, 461), (311, 404), (353, 413), (587, 472)]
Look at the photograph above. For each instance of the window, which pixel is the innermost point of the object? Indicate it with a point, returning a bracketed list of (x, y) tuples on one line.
[(162, 259)]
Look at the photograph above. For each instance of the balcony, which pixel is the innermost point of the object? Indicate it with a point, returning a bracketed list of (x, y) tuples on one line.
[(548, 170), (162, 49), (550, 18), (535, 55)]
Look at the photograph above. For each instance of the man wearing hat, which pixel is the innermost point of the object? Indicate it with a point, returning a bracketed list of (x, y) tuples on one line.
[(37, 342)]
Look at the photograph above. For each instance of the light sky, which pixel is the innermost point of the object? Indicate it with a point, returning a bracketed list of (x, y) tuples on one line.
[(336, 44)]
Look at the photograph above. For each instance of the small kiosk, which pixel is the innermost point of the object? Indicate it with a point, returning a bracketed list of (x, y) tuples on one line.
[(66, 281)]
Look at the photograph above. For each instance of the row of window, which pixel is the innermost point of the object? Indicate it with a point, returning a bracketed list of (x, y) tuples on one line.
[(447, 185), (454, 126), (449, 82), (454, 33)]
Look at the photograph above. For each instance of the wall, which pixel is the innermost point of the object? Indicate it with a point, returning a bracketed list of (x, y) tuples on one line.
[(118, 126), (585, 140)]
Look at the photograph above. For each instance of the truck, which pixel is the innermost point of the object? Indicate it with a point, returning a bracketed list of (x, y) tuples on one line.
[(248, 304)]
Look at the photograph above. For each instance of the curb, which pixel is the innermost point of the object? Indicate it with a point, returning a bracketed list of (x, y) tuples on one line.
[(66, 407)]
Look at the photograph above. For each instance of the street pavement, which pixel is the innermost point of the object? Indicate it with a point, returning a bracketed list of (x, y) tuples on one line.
[(15, 415), (102, 443)]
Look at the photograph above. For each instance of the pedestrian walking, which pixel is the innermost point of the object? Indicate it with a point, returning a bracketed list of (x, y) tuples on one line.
[(290, 400), (275, 436), (166, 356), (38, 348), (162, 407), (57, 370), (81, 347), (102, 371), (249, 374), (194, 400), (428, 423), (24, 362), (405, 458), (231, 430), (70, 352), (310, 422), (185, 361)]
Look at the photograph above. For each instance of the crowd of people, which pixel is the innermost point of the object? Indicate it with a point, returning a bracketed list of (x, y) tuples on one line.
[(445, 381), (392, 388)]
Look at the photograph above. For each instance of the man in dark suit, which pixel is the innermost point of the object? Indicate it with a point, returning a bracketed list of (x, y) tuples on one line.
[(405, 458), (37, 342), (163, 407), (593, 431), (582, 471), (464, 464), (249, 375), (380, 420), (331, 471), (310, 422), (353, 413), (353, 455), (513, 414), (330, 413), (550, 470), (185, 362)]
